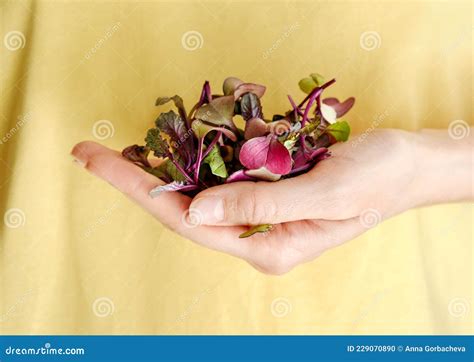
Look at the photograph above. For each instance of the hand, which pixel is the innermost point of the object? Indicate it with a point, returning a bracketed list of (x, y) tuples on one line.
[(363, 183)]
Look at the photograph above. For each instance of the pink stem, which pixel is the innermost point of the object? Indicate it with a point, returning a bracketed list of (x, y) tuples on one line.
[(207, 90), (324, 86), (295, 107), (180, 169), (198, 161), (212, 144)]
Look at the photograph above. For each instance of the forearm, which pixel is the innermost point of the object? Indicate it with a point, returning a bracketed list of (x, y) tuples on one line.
[(444, 167)]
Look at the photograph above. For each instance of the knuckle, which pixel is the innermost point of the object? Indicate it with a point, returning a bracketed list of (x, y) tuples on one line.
[(255, 209), (249, 207), (131, 189)]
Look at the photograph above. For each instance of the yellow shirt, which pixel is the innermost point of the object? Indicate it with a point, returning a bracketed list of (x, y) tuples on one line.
[(78, 257)]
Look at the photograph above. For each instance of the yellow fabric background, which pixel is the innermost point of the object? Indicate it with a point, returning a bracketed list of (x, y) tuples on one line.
[(82, 240)]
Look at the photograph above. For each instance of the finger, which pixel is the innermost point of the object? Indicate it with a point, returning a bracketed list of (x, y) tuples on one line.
[(275, 252), (294, 243), (124, 175), (170, 208), (253, 203), (328, 234)]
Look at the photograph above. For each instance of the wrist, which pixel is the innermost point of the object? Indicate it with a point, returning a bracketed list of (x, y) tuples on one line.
[(443, 168)]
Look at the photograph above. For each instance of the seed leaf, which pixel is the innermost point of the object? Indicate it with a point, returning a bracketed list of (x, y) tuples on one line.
[(256, 229)]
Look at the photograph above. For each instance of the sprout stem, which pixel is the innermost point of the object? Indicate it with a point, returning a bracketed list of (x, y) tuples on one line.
[(212, 144), (180, 169), (198, 161), (324, 86)]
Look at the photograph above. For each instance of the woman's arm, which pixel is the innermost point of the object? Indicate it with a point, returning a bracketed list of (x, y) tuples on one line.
[(445, 167)]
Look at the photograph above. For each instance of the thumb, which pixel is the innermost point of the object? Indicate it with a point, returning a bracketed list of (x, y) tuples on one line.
[(254, 203)]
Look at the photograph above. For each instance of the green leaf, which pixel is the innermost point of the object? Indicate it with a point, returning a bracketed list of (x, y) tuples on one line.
[(167, 170), (218, 112), (175, 174), (178, 102), (159, 172), (317, 78), (256, 229), (230, 84), (313, 81), (339, 130), (156, 143), (215, 161), (307, 85)]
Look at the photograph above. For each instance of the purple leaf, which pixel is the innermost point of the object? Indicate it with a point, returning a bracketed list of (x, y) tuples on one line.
[(178, 102), (318, 153), (304, 160), (255, 127), (172, 186), (254, 152), (250, 106), (243, 88), (266, 152), (239, 176), (299, 158), (201, 129), (218, 112), (175, 127), (137, 154), (340, 108), (279, 158)]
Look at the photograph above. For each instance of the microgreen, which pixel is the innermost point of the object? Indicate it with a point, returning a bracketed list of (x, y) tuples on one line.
[(205, 148)]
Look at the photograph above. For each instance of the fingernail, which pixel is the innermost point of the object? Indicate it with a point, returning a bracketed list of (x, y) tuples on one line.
[(80, 158), (211, 209), (78, 162)]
